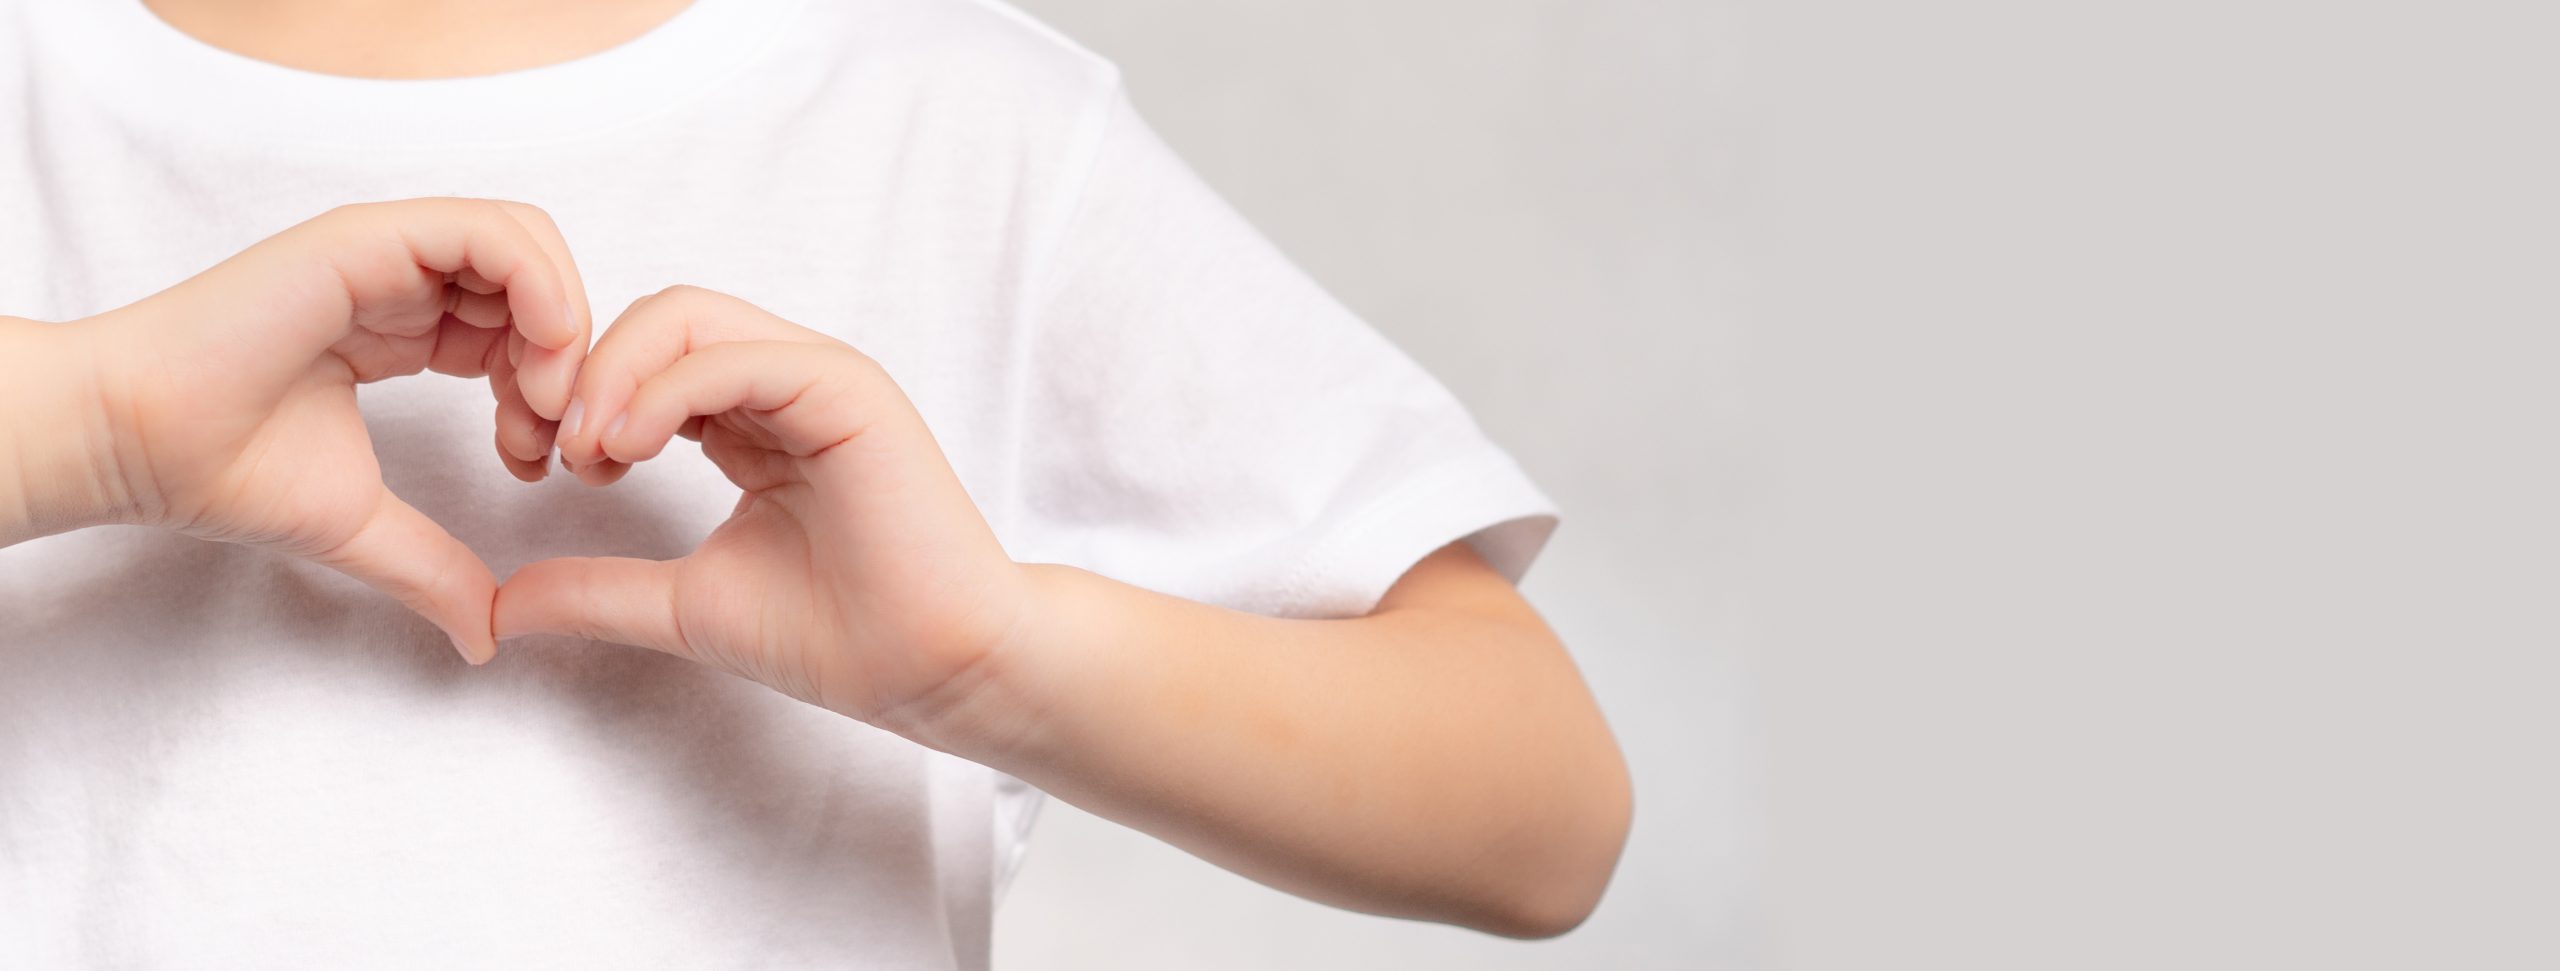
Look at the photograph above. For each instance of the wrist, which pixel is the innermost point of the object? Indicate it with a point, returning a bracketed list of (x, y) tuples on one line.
[(57, 439), (997, 709)]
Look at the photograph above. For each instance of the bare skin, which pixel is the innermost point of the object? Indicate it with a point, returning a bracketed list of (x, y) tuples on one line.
[(1439, 758), (224, 407)]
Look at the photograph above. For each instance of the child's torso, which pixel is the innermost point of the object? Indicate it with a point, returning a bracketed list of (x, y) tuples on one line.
[(212, 752)]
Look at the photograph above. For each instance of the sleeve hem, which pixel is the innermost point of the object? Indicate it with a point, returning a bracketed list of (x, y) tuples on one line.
[(1483, 498)]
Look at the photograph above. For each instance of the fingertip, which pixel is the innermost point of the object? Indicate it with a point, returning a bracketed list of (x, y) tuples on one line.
[(526, 603), (602, 473), (546, 438), (624, 601), (546, 324), (471, 655), (523, 442), (526, 472), (503, 619), (570, 361), (401, 552), (619, 447), (546, 378)]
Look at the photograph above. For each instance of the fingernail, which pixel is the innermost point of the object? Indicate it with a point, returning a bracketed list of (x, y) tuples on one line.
[(618, 421), (570, 419), (567, 315), (459, 649)]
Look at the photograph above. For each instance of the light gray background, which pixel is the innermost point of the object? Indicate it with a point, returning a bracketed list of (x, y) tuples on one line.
[(1527, 196), (2116, 440), (2157, 567)]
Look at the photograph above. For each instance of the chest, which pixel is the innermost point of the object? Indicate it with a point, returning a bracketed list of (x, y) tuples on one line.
[(901, 245)]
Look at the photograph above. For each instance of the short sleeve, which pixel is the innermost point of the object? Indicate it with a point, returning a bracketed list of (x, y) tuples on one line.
[(1203, 420)]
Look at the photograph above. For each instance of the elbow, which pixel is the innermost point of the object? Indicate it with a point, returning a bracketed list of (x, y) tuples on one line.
[(1537, 919), (1562, 881)]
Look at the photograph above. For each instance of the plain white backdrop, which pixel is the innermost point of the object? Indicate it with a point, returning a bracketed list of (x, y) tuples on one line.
[(1525, 195)]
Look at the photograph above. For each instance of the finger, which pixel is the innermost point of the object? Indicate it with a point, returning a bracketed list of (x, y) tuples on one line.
[(522, 435), (545, 377), (379, 248), (470, 279), (810, 399), (379, 251), (548, 372), (401, 552), (602, 473), (525, 471), (523, 438), (751, 465), (487, 310), (616, 599), (653, 333), (466, 351)]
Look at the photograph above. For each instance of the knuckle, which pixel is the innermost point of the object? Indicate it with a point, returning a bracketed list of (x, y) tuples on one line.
[(344, 216), (527, 211), (633, 307), (669, 306), (863, 367), (692, 300), (496, 214)]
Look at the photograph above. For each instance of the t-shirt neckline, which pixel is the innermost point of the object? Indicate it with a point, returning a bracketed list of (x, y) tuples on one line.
[(151, 68)]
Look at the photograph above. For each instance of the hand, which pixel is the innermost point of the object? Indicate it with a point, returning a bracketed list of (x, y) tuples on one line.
[(230, 399), (855, 573)]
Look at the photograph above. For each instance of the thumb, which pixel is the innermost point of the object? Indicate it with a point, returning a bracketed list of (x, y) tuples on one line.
[(401, 552), (610, 598)]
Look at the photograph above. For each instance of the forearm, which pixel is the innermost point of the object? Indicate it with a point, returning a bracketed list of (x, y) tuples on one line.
[(53, 433), (1441, 762)]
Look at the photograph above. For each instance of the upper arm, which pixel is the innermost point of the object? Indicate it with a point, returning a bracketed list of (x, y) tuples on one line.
[(1456, 578)]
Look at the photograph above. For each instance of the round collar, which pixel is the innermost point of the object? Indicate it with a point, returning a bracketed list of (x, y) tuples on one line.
[(145, 66)]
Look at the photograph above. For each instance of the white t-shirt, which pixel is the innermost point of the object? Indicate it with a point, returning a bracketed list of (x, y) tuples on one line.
[(212, 756)]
